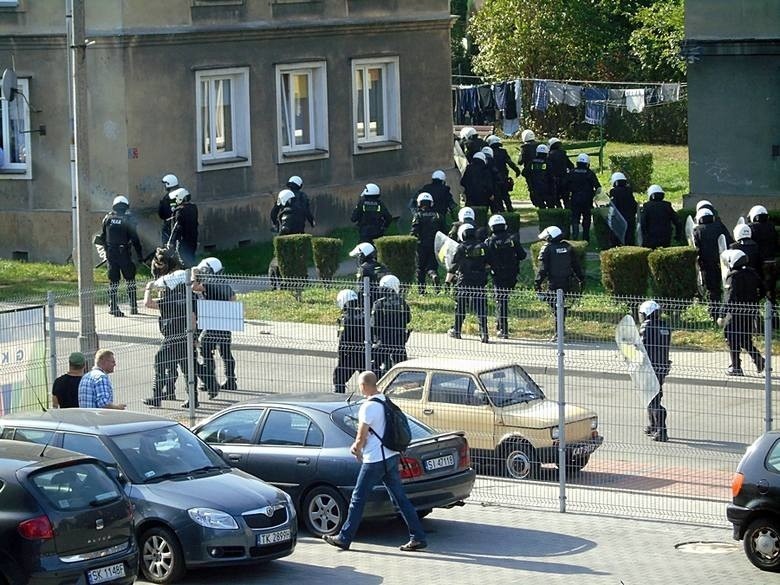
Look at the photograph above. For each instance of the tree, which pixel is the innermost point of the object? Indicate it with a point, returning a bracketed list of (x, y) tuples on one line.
[(655, 41)]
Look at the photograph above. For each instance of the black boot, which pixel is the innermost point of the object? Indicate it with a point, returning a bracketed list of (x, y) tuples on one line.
[(132, 295), (113, 306)]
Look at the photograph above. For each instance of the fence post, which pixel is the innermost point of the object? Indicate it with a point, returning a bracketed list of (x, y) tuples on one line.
[(191, 389), (559, 315), (367, 321), (52, 336), (768, 308)]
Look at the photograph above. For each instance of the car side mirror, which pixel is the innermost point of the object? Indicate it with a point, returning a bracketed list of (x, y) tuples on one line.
[(117, 474), (222, 456)]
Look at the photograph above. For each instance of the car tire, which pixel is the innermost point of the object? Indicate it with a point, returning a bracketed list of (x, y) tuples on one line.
[(324, 510), (517, 460), (160, 556), (762, 543)]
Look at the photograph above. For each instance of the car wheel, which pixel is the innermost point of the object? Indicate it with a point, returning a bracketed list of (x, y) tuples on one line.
[(161, 558), (324, 511), (762, 544), (518, 461)]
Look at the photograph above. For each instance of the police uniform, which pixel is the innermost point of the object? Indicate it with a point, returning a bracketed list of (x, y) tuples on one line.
[(750, 248), (185, 232), (765, 236), (301, 201), (622, 197), (374, 271), (582, 184), (119, 234), (558, 263), (351, 349), (165, 213), (656, 337), (504, 255), (390, 317), (504, 183), (443, 203), (477, 182), (739, 312), (656, 222), (425, 224), (705, 238), (211, 341), (559, 165), (372, 218), (540, 183), (469, 264), (472, 146)]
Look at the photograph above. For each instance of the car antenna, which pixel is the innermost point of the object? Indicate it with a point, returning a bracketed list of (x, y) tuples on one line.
[(350, 396), (50, 439)]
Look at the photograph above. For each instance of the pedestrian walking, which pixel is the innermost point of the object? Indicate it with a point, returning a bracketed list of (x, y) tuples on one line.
[(470, 142), (165, 207), (302, 201), (503, 162), (351, 334), (743, 241), (622, 196), (496, 204), (95, 388), (443, 203), (504, 256), (469, 271), (540, 180), (656, 337), (287, 218), (65, 390), (425, 224), (527, 154), (657, 220), (705, 239), (765, 235), (390, 317), (184, 234), (119, 235), (477, 182), (581, 188), (371, 215), (559, 166)]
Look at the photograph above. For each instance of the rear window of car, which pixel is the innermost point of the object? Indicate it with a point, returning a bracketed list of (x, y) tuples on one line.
[(773, 458), (76, 487), (346, 418)]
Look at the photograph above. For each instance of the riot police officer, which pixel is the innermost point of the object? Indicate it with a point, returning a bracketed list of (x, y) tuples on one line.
[(287, 215), (165, 208), (559, 166), (622, 196), (295, 184), (583, 186), (184, 235), (470, 142), (656, 337), (743, 241), (368, 266), (540, 180), (351, 347), (765, 236), (527, 153), (705, 239), (496, 204), (657, 219), (477, 182), (119, 234), (469, 270), (503, 162), (371, 215), (425, 223), (443, 203), (504, 255), (390, 318)]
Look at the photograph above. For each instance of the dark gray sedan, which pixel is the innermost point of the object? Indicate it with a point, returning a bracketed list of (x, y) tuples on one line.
[(300, 443)]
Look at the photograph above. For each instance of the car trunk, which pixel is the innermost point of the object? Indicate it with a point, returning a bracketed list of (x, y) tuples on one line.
[(435, 456)]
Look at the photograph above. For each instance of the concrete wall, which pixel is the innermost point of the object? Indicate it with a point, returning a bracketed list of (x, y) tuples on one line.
[(732, 19)]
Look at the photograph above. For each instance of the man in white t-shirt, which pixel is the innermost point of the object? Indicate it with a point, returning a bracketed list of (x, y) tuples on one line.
[(377, 466)]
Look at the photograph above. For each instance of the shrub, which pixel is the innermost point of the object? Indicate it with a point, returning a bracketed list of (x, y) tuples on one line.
[(624, 270), (512, 220), (578, 246), (674, 272), (481, 215), (398, 254), (326, 253), (293, 253), (684, 214), (559, 217), (637, 166), (602, 233)]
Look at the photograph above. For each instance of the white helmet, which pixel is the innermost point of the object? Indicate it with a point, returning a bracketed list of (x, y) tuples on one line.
[(542, 149), (757, 210), (550, 233), (703, 203), (583, 158), (170, 181), (467, 132), (617, 177), (742, 231), (390, 281), (345, 296), (371, 190), (179, 195), (552, 141), (528, 136), (285, 196), (362, 249), (487, 151), (439, 175), (703, 212), (424, 197), (296, 180), (648, 308), (466, 227), (731, 257), (212, 265), (654, 189), (120, 199), (172, 280), (493, 139), (466, 213), (496, 220), (479, 156)]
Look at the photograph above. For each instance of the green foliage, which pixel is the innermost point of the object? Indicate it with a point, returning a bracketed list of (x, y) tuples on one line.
[(674, 272), (636, 166), (580, 247), (293, 253), (252, 259), (556, 217), (326, 253), (512, 220), (398, 254), (602, 233), (480, 215), (624, 270), (655, 40)]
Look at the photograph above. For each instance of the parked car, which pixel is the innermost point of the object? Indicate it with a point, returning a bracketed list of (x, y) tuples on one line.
[(300, 443), (63, 519), (191, 508), (755, 506), (509, 423)]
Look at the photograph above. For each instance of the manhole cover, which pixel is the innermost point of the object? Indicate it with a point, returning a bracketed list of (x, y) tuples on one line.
[(709, 548)]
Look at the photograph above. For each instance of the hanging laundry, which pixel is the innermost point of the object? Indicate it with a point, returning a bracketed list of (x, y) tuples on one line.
[(652, 95), (572, 95), (486, 100), (596, 105), (617, 97), (468, 101), (635, 100), (499, 93), (519, 98), (670, 92), (509, 127), (510, 108), (540, 96), (555, 91)]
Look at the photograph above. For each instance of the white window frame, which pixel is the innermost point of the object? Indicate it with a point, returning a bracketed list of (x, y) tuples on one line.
[(390, 139), (318, 144), (9, 3), (11, 170), (241, 153)]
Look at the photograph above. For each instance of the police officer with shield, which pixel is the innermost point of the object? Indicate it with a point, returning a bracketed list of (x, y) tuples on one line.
[(469, 270), (504, 256), (656, 337), (119, 234)]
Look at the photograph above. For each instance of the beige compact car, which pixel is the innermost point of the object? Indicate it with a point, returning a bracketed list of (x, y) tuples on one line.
[(507, 419)]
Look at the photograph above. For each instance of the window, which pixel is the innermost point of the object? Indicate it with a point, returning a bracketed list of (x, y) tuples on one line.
[(88, 445), (15, 138), (453, 389), (34, 436), (9, 3), (222, 103), (302, 104), (407, 385), (376, 100), (290, 428), (237, 426), (77, 486)]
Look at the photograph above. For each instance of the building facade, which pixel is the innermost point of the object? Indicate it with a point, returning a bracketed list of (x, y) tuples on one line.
[(233, 97)]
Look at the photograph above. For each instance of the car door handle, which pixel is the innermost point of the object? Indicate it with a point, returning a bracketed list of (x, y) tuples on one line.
[(234, 458), (428, 411), (303, 460)]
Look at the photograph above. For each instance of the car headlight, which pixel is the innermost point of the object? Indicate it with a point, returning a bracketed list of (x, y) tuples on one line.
[(210, 518), (554, 432), (594, 423), (290, 505)]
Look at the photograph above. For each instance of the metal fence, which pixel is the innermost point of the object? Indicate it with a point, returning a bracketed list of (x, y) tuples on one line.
[(288, 343)]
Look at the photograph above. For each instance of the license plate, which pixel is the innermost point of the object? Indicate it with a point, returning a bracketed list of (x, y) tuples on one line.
[(104, 574), (274, 537), (439, 462), (584, 450)]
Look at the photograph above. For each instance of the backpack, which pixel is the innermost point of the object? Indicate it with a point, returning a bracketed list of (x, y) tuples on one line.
[(398, 435)]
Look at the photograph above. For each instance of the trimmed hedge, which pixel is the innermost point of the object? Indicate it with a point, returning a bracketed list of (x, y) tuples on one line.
[(624, 270), (636, 166), (684, 214), (579, 247), (326, 253), (398, 253), (673, 271), (557, 217), (600, 230), (481, 215), (293, 253), (512, 220)]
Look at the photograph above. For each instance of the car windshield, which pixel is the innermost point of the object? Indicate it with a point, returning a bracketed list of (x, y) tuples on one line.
[(346, 418), (168, 452), (510, 385)]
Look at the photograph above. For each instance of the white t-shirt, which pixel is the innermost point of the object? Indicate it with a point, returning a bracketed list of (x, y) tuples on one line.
[(373, 414)]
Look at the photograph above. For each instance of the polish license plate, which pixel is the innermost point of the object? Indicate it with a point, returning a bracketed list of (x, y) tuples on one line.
[(104, 574), (439, 462), (274, 537), (584, 449)]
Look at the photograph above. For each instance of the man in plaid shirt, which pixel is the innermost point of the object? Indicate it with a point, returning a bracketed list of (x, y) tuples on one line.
[(95, 389)]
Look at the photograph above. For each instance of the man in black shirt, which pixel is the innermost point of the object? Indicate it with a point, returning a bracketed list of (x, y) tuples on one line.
[(65, 391), (184, 234), (119, 234)]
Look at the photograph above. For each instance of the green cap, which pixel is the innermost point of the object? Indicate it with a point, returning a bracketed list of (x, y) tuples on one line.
[(77, 359)]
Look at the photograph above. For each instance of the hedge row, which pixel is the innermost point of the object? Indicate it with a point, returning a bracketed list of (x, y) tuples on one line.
[(636, 166), (627, 270), (294, 252), (579, 247)]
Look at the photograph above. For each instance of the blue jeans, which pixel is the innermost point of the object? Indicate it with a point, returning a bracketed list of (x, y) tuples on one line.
[(370, 475)]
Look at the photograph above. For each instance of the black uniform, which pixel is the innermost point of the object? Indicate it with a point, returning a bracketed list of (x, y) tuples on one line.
[(372, 218), (173, 349), (425, 224), (119, 234), (289, 219), (527, 154), (504, 255), (739, 311), (656, 222), (622, 196), (390, 317), (477, 182), (470, 265), (705, 238), (443, 203), (482, 232), (540, 182), (559, 165), (472, 146), (185, 232), (351, 350), (211, 341), (582, 184), (657, 337), (750, 248), (503, 162), (765, 236), (496, 204), (374, 271), (165, 212), (558, 264), (301, 201)]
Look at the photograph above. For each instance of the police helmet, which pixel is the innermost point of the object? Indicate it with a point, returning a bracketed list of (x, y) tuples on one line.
[(495, 221), (345, 296), (493, 139), (390, 281), (120, 200), (703, 203), (742, 231), (552, 141), (702, 213), (648, 308), (439, 176), (179, 196), (487, 151), (756, 211), (371, 190), (733, 258), (479, 156), (617, 177), (172, 279), (466, 214), (295, 180), (655, 193), (210, 265), (467, 132), (542, 149), (463, 231), (170, 181), (550, 233), (583, 158), (363, 250), (528, 136), (285, 196), (424, 197)]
